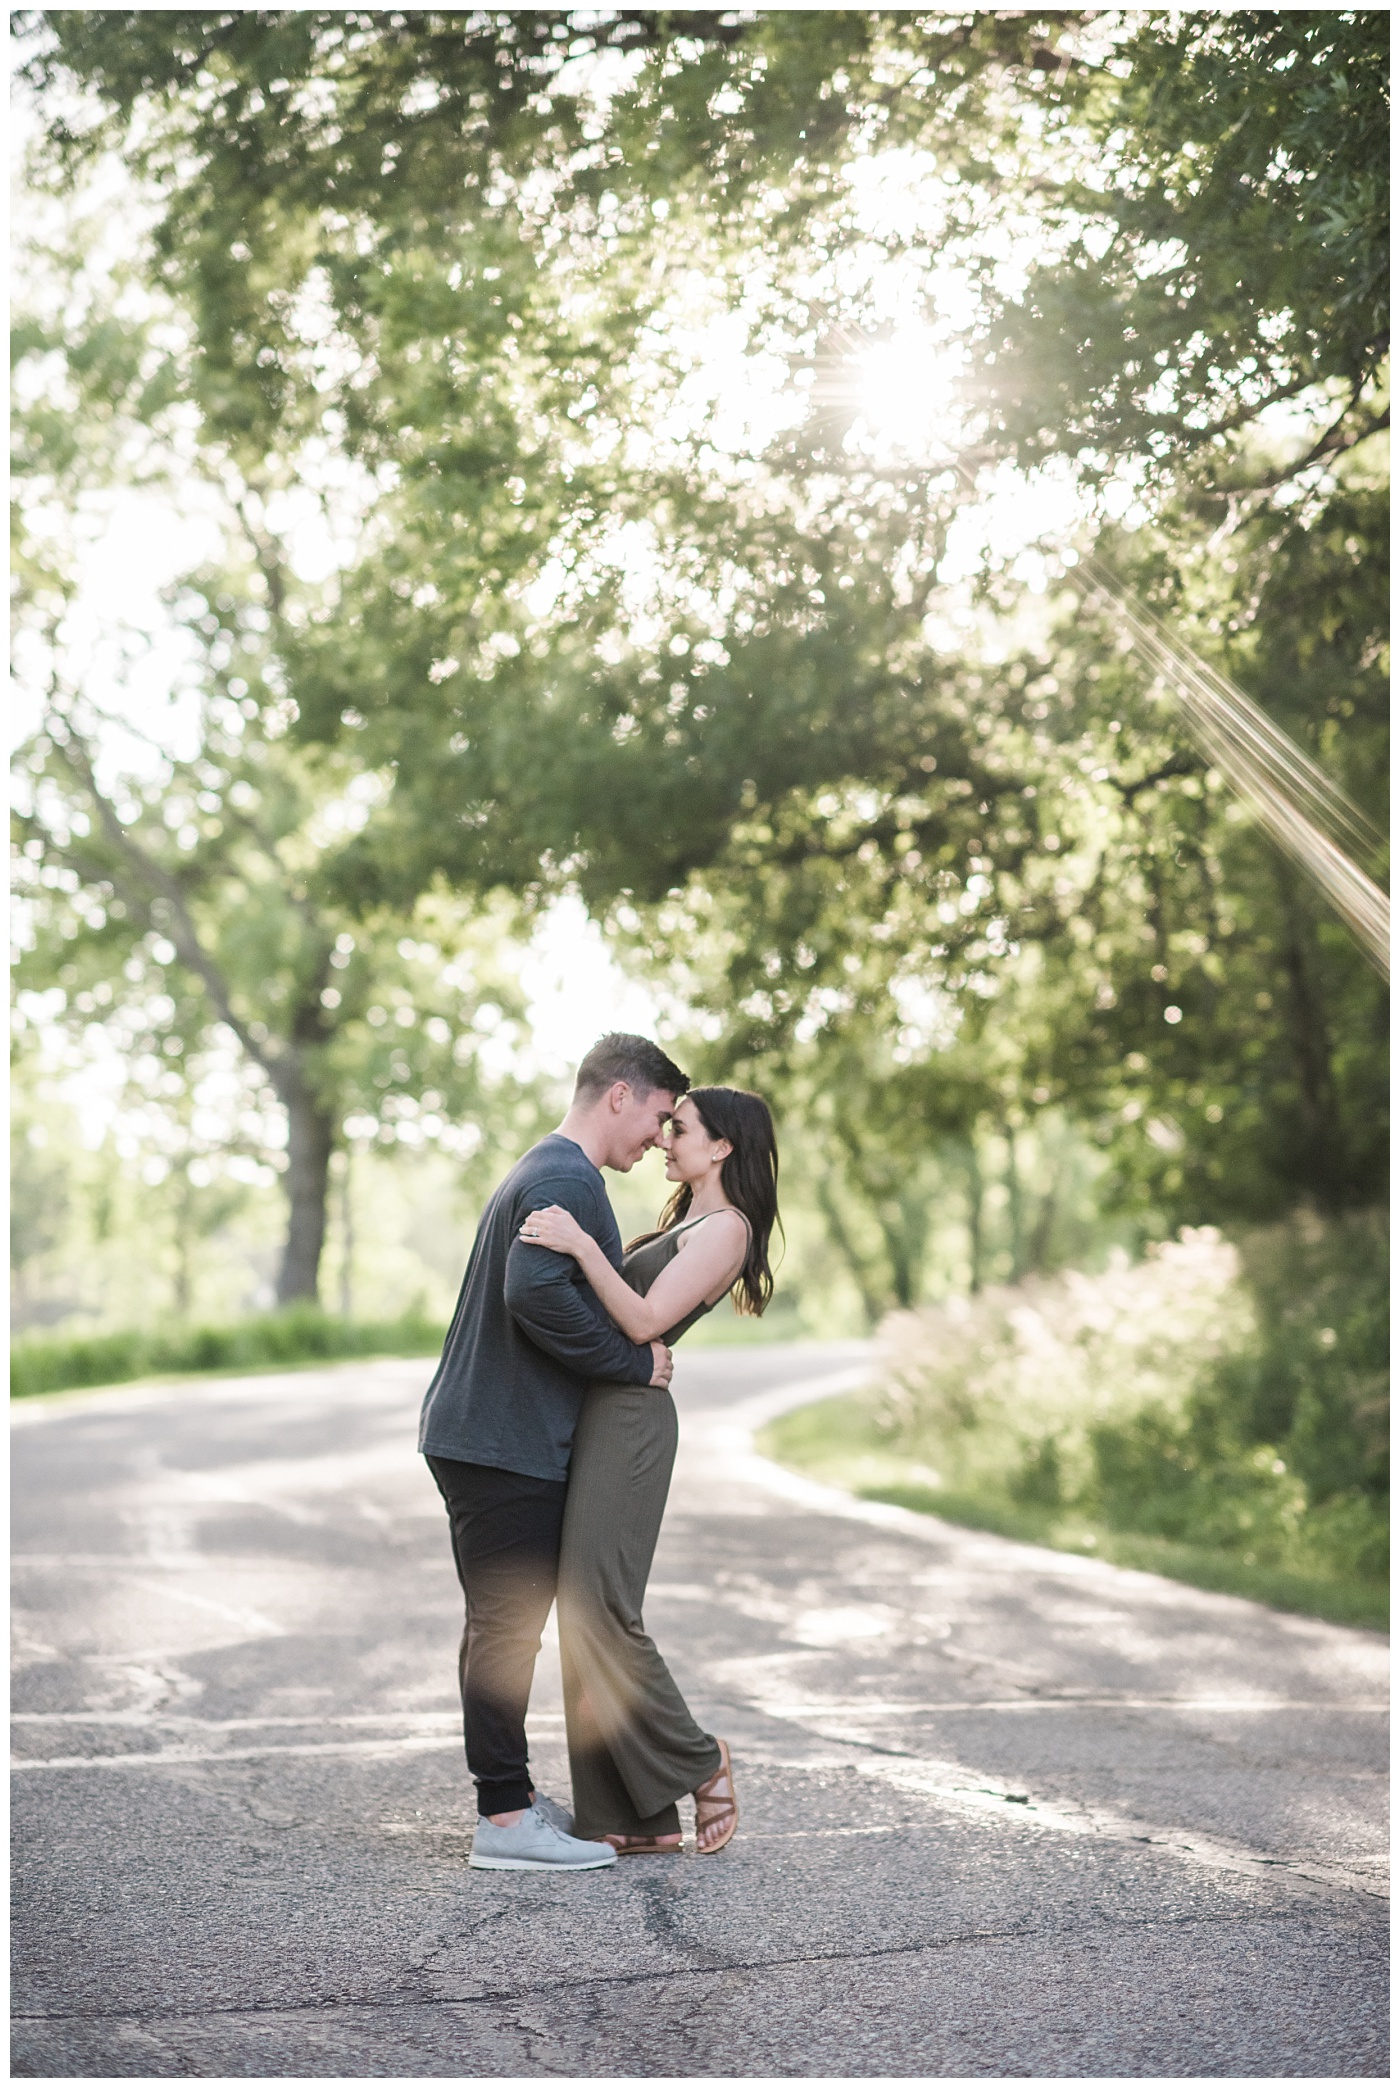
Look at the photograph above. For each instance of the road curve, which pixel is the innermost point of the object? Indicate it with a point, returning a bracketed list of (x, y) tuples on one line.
[(1005, 1812)]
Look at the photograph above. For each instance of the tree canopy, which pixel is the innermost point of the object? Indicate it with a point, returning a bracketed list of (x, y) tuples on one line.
[(643, 601)]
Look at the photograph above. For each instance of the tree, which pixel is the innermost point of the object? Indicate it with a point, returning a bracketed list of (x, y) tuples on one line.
[(199, 904), (696, 681), (192, 908), (1216, 261), (1220, 251), (488, 326)]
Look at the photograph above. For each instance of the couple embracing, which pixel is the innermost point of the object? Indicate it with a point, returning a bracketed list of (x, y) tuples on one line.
[(550, 1430)]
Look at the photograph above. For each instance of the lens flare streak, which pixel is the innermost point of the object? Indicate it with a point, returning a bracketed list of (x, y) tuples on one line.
[(1292, 798)]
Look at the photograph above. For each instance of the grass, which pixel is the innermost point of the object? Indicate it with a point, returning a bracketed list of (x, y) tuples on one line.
[(297, 1337), (725, 1328), (835, 1440), (267, 1341)]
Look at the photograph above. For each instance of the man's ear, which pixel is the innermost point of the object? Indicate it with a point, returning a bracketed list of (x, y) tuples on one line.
[(617, 1096)]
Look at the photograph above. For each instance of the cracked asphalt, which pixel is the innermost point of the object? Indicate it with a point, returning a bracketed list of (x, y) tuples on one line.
[(1005, 1812)]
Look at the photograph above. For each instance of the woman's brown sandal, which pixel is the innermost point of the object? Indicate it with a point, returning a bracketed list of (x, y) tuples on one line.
[(643, 1844), (716, 1808)]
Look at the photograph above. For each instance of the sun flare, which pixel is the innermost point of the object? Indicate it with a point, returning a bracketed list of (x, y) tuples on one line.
[(907, 393)]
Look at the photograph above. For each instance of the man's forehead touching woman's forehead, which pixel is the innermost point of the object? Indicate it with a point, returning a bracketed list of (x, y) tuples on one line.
[(660, 1102)]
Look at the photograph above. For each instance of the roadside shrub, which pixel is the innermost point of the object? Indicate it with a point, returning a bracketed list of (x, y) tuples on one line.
[(1007, 1387), (1157, 1476), (1038, 1480), (299, 1333), (1315, 1378), (1221, 1396)]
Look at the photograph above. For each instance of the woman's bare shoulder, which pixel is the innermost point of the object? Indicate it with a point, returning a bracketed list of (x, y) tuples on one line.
[(716, 1231)]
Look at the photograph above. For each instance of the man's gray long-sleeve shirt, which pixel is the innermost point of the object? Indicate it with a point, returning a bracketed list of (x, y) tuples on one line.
[(528, 1332)]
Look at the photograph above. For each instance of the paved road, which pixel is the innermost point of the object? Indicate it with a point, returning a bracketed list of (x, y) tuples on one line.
[(1005, 1812)]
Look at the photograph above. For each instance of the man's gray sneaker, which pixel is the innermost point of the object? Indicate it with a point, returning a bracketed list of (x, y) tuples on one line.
[(532, 1844), (550, 1809)]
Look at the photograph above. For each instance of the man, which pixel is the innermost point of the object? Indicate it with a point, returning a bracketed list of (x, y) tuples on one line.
[(498, 1425)]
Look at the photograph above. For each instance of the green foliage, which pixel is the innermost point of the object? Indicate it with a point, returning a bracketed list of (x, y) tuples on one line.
[(41, 1196), (1360, 1598), (1267, 1084), (1204, 1407), (1224, 251), (1335, 1566), (191, 906), (1281, 1449), (90, 1226), (297, 1335), (1020, 1378), (591, 642), (194, 918)]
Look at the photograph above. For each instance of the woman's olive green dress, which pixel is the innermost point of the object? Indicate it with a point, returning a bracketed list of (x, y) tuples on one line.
[(634, 1748)]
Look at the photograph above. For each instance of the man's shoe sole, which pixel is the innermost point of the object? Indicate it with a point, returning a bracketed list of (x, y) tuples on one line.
[(475, 1862)]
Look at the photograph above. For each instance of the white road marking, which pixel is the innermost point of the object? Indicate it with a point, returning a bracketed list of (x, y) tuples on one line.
[(896, 1708), (176, 1720), (167, 1757), (952, 1785), (1245, 1706), (249, 1620)]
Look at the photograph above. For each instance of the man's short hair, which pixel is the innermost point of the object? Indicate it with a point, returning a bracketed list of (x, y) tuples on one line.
[(642, 1064)]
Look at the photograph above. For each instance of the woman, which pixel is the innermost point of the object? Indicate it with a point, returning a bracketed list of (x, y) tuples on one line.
[(634, 1748)]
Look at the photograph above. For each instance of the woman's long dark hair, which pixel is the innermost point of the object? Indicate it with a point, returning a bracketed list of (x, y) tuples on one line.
[(748, 1177)]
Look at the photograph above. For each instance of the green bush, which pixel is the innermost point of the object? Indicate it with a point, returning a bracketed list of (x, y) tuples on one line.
[(1156, 1477), (1010, 1390), (1314, 1380), (1217, 1412), (299, 1333), (1280, 1450)]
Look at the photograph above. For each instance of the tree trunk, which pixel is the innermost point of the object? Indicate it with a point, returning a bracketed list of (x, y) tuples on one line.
[(855, 1261), (1038, 1253), (900, 1258), (904, 1223), (1324, 1143), (310, 1137), (1015, 1213), (974, 1218), (149, 889), (347, 1244), (184, 1234)]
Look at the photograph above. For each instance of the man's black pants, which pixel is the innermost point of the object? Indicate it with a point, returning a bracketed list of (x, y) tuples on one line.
[(505, 1542)]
